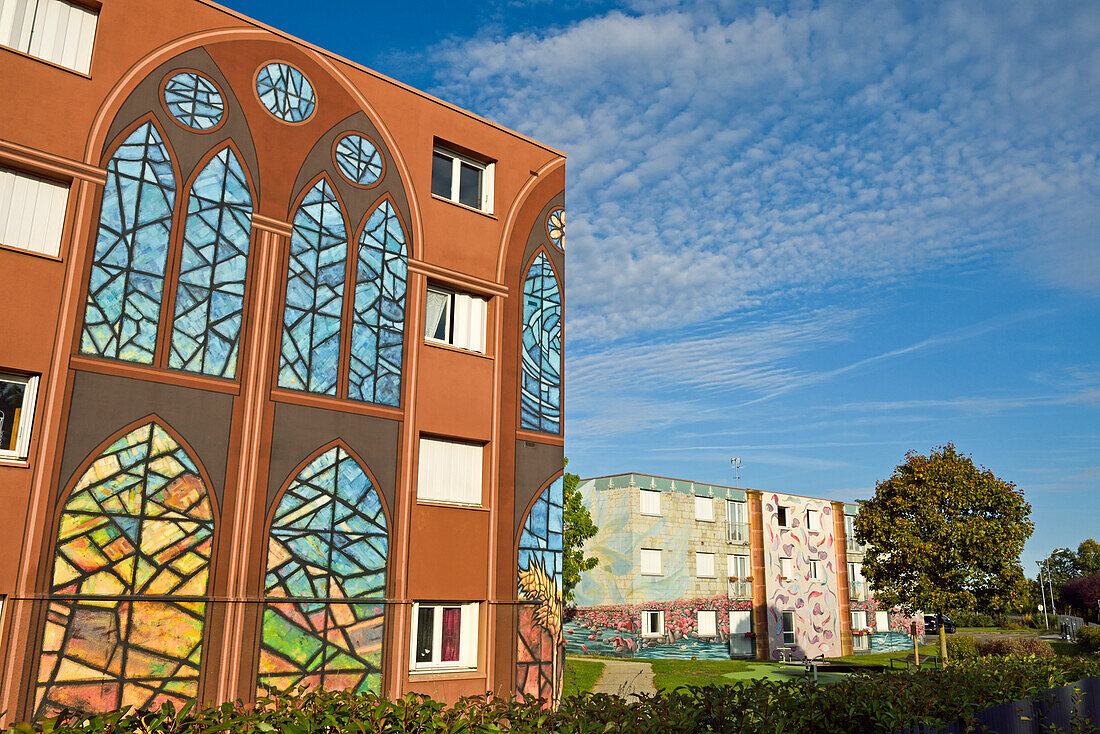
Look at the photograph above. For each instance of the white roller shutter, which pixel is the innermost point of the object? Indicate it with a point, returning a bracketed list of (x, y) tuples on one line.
[(449, 472), (32, 212)]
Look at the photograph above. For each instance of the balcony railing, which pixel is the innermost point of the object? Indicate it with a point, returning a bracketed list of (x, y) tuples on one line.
[(857, 590), (740, 589), (737, 532)]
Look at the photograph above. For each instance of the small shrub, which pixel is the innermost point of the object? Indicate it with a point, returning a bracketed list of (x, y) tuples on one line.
[(961, 647), (1035, 646), (1000, 646), (1089, 639)]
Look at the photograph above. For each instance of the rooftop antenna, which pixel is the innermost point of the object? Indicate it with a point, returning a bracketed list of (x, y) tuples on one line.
[(736, 464)]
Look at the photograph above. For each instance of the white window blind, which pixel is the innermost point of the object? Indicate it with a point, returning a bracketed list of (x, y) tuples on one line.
[(813, 520), (882, 621), (651, 561), (704, 509), (53, 30), (706, 623), (785, 567), (650, 502), (704, 564), (449, 472), (32, 212)]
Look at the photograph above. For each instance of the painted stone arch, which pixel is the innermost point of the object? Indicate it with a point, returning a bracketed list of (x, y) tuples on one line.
[(325, 583), (540, 652), (541, 342), (127, 608)]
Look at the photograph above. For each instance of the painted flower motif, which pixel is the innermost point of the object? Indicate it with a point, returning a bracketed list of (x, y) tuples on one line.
[(555, 228)]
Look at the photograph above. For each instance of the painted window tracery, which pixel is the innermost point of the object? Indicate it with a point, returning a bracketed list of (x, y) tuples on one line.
[(326, 580), (555, 228), (127, 277), (541, 644), (540, 395), (358, 160), (194, 101), (213, 266), (285, 92), (125, 626)]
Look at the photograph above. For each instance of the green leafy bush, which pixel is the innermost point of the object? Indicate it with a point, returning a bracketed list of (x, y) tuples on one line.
[(882, 702), (1037, 647), (1089, 639), (966, 618), (961, 647)]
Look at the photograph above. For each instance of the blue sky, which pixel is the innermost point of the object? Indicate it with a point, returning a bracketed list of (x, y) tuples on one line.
[(814, 236)]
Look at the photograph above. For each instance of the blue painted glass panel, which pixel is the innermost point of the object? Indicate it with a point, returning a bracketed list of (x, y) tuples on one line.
[(127, 276), (285, 92), (194, 100), (310, 357), (378, 317), (210, 296), (540, 385), (541, 539), (358, 159)]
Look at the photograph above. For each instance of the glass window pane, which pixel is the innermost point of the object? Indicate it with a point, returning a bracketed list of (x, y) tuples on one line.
[(424, 624), (435, 323), (441, 175), (452, 621), (11, 405), (469, 185)]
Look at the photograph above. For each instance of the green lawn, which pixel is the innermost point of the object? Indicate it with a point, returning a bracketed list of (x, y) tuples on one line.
[(581, 675), (669, 674), (883, 658), (992, 631)]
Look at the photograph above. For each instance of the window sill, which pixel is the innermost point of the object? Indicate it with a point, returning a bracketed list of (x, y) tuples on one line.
[(451, 673), (21, 251), (652, 575), (452, 505), (466, 207), (650, 514), (452, 348), (703, 519), (55, 65), (15, 462)]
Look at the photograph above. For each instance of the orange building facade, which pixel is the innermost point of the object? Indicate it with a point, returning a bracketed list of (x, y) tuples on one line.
[(280, 374)]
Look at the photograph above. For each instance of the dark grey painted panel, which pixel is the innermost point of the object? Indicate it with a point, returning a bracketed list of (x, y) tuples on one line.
[(535, 464), (300, 431), (103, 404)]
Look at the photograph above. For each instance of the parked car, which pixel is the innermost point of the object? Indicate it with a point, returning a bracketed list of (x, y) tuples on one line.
[(932, 626)]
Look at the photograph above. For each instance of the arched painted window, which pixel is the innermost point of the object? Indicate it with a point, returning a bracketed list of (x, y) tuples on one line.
[(210, 294), (310, 358), (378, 319), (326, 580), (127, 276), (540, 395), (541, 651), (138, 524)]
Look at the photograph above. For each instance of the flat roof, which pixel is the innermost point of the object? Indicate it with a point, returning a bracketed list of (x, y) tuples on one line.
[(687, 486)]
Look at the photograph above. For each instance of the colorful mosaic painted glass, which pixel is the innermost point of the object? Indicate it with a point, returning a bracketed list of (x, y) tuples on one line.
[(138, 524), (555, 228), (194, 100), (310, 358), (285, 92), (378, 319), (210, 295), (540, 399), (541, 645), (358, 160), (131, 251), (326, 580)]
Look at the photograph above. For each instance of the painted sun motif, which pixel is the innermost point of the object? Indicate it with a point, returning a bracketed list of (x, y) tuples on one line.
[(555, 228)]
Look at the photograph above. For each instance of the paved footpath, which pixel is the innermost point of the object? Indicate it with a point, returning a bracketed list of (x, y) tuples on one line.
[(622, 678)]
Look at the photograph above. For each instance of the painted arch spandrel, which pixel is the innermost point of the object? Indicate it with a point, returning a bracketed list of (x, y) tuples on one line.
[(139, 523)]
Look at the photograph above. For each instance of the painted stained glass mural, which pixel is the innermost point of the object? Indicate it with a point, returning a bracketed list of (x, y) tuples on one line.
[(540, 397), (326, 580), (378, 318), (125, 624), (541, 646), (131, 250), (194, 101), (310, 358), (210, 295), (285, 92)]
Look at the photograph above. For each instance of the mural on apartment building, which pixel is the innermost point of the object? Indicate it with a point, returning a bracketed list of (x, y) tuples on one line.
[(138, 523), (326, 580), (540, 394), (617, 629), (540, 649)]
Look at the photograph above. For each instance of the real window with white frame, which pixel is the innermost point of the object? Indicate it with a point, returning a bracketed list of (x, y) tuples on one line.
[(704, 565), (649, 502), (737, 564), (32, 212), (17, 400), (788, 628), (813, 520), (813, 571), (781, 513), (444, 636), (650, 561), (785, 568), (462, 179), (450, 471), (60, 32), (706, 623), (653, 623), (859, 621), (704, 509), (455, 319)]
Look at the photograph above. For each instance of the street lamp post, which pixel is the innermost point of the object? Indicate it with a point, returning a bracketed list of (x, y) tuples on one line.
[(1043, 594)]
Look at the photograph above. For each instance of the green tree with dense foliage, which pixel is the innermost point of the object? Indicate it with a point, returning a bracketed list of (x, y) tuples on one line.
[(944, 534), (578, 528)]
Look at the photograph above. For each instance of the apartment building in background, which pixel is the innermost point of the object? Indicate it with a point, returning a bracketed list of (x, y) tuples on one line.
[(280, 371), (691, 570)]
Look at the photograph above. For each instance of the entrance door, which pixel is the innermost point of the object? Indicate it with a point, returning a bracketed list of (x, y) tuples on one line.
[(740, 623)]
